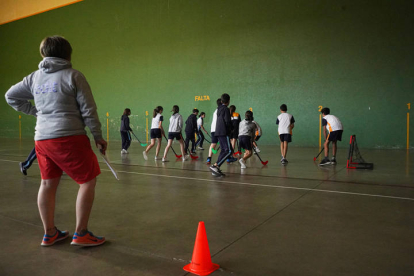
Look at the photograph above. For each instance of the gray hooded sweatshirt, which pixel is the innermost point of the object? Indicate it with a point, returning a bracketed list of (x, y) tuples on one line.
[(63, 100), (176, 123)]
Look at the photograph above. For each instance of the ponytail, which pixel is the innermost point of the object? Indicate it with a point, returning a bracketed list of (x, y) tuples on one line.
[(156, 111), (175, 109)]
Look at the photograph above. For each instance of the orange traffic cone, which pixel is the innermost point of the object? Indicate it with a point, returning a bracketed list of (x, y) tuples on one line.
[(201, 262)]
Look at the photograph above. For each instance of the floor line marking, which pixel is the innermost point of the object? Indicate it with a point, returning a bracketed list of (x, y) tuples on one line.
[(265, 185), (258, 185)]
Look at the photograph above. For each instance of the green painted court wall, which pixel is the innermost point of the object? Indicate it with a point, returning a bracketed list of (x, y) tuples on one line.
[(355, 57)]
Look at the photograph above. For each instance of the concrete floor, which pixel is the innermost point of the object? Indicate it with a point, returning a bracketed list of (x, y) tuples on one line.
[(299, 219)]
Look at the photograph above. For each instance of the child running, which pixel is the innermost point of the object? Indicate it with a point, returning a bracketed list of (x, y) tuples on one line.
[(247, 131), (174, 131), (235, 120), (200, 127), (223, 131), (64, 104), (286, 123), (191, 130), (125, 129), (156, 132), (335, 134), (24, 166), (214, 139)]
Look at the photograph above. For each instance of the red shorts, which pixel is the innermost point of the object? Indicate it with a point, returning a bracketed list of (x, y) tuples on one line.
[(71, 154)]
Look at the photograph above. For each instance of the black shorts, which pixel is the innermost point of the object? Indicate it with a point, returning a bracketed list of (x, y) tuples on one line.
[(257, 138), (335, 135), (245, 142), (176, 135), (285, 138), (214, 139), (155, 133), (234, 134)]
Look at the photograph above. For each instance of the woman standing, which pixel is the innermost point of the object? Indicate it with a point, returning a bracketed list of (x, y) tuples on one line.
[(125, 129), (156, 132), (174, 131)]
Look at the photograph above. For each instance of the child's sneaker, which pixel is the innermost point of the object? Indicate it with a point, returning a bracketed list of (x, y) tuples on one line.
[(257, 149), (284, 161), (200, 148), (208, 160), (51, 240), (333, 161), (157, 158), (325, 161), (231, 160), (185, 157), (22, 168), (88, 239), (242, 163), (215, 170), (145, 155), (164, 159)]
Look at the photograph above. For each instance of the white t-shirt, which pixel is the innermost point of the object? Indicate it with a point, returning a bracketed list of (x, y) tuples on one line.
[(332, 123), (213, 123), (284, 121), (156, 121), (199, 122)]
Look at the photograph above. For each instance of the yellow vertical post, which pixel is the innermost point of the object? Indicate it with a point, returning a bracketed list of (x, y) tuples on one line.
[(408, 130), (146, 127), (107, 126), (20, 128)]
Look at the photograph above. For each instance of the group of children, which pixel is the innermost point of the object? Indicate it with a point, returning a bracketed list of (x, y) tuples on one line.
[(227, 129), (64, 105)]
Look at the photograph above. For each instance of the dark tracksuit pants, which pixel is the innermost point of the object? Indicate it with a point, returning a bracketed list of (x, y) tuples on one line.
[(126, 139), (226, 149), (189, 136), (32, 157)]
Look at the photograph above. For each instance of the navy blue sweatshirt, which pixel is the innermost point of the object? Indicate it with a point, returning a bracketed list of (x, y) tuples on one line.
[(191, 124), (223, 125), (125, 123)]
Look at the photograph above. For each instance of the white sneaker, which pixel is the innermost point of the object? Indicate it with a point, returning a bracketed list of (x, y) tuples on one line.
[(200, 148), (145, 155), (122, 151), (157, 158), (185, 157), (242, 163), (164, 159), (257, 149)]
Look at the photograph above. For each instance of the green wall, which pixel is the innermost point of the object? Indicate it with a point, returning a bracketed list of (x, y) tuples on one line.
[(355, 57)]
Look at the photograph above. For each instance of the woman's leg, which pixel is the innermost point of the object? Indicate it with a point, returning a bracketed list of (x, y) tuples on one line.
[(159, 140), (150, 145), (46, 203), (167, 148), (84, 202), (182, 146)]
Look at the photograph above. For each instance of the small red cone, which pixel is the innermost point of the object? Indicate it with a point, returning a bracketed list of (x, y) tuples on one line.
[(201, 263)]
